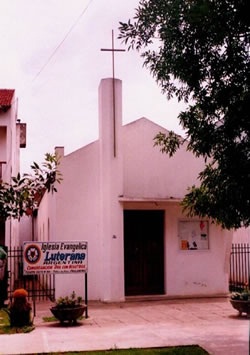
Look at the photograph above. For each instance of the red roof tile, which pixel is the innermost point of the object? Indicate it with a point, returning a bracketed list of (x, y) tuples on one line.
[(6, 96)]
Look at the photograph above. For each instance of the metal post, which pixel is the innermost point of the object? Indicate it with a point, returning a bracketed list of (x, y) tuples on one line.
[(33, 295), (86, 293)]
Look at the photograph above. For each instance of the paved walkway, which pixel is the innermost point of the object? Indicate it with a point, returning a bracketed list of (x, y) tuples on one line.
[(211, 323)]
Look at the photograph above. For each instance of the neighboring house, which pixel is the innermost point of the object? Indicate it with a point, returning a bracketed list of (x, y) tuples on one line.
[(12, 138), (123, 196)]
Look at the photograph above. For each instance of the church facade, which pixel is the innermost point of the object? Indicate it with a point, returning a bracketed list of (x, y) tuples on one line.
[(122, 196)]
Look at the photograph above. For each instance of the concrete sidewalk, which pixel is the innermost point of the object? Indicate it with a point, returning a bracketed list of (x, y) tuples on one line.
[(211, 323)]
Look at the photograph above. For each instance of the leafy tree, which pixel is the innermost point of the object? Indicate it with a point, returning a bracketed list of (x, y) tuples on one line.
[(198, 51), (23, 195)]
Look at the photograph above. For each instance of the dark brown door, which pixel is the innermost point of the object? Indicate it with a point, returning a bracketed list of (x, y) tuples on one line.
[(144, 252)]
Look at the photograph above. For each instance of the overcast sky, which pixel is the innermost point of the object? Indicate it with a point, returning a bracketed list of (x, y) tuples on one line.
[(50, 54)]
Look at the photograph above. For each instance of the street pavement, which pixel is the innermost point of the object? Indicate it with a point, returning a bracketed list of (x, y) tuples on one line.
[(211, 323)]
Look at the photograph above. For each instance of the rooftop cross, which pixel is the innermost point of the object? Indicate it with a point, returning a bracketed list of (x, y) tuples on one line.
[(113, 50)]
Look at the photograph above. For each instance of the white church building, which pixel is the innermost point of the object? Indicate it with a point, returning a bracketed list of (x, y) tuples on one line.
[(122, 196)]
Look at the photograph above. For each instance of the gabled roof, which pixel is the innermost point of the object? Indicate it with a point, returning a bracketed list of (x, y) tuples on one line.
[(6, 96), (142, 121)]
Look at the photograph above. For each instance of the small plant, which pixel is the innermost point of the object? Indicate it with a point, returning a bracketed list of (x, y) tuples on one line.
[(69, 301), (20, 310), (69, 308), (243, 295)]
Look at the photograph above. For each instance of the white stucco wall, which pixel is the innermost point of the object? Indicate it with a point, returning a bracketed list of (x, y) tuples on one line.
[(25, 229), (77, 214), (87, 205), (196, 272), (150, 174), (191, 272), (111, 186)]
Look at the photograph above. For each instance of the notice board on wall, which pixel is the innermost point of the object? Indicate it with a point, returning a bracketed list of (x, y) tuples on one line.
[(193, 235)]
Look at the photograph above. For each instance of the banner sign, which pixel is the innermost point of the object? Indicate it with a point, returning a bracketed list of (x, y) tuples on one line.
[(55, 257)]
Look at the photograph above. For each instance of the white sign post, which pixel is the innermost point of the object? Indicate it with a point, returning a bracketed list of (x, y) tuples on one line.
[(59, 257)]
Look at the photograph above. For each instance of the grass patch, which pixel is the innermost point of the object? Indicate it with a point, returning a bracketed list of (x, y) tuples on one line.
[(173, 350), (49, 319), (5, 327), (53, 319)]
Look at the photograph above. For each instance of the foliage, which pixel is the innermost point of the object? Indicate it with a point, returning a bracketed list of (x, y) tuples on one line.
[(171, 350), (49, 319), (5, 327), (23, 195), (243, 295), (69, 301), (198, 51), (168, 143), (4, 318), (19, 311)]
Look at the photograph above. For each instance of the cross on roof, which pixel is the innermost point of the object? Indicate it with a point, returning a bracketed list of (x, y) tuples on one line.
[(113, 50)]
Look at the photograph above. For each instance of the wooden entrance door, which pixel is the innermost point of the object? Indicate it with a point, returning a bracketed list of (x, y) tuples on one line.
[(144, 252)]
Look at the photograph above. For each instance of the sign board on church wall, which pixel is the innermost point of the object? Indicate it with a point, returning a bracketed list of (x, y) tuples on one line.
[(55, 257), (193, 235)]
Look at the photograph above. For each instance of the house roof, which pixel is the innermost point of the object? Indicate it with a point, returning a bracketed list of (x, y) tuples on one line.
[(6, 96)]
